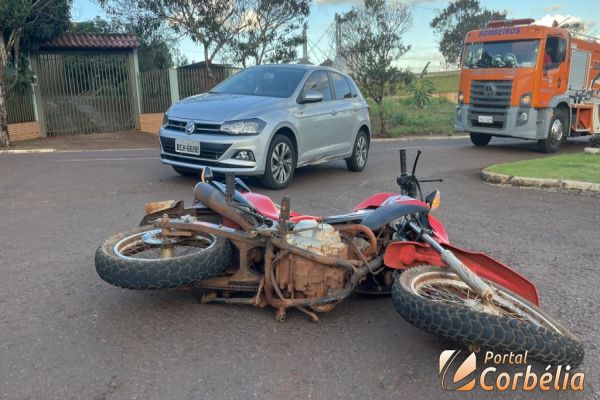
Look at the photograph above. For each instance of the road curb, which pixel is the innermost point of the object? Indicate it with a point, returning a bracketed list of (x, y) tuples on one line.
[(27, 151), (540, 183), (409, 138), (591, 150)]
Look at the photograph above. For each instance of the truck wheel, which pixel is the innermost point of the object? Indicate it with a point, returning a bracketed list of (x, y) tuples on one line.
[(480, 139), (556, 133), (281, 163)]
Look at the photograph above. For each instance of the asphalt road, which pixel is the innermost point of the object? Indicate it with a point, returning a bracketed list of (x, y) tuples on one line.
[(65, 334)]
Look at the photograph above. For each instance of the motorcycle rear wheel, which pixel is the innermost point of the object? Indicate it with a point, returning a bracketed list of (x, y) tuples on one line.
[(134, 260), (436, 300)]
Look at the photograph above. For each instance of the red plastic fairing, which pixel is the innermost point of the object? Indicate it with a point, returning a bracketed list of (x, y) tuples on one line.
[(403, 255), (265, 206), (438, 229), (374, 201)]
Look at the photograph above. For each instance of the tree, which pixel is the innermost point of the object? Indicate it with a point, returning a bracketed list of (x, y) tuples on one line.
[(272, 31), (211, 23), (155, 44), (372, 43), (453, 22), (575, 26), (24, 24)]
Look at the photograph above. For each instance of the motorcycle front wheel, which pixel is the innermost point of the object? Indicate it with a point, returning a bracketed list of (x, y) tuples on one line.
[(141, 259), (438, 301)]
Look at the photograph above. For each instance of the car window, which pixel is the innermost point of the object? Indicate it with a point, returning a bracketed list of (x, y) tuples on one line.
[(262, 81), (353, 89), (340, 86), (319, 81)]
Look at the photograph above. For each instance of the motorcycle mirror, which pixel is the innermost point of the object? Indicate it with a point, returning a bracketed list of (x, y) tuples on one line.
[(206, 175)]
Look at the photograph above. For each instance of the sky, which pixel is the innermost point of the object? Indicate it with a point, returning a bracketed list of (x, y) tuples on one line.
[(424, 45)]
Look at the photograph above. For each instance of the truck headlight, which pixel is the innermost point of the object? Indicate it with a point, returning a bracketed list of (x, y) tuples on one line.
[(525, 99), (252, 126), (461, 97)]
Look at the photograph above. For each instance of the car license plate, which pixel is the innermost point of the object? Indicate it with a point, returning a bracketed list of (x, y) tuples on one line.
[(485, 119), (187, 146)]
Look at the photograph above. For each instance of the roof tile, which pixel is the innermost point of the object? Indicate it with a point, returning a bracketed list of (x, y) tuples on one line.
[(92, 41)]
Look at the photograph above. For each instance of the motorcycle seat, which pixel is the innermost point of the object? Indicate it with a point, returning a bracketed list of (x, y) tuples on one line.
[(354, 217)]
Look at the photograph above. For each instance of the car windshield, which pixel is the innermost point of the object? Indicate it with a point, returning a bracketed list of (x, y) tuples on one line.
[(262, 81), (509, 54)]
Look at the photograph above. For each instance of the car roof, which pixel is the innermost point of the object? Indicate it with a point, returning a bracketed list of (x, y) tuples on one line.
[(306, 67)]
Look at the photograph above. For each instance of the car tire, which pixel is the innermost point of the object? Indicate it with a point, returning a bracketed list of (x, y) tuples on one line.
[(185, 172), (480, 139), (280, 164), (556, 133), (360, 152)]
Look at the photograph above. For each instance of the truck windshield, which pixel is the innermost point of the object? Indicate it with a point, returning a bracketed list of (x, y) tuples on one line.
[(509, 54)]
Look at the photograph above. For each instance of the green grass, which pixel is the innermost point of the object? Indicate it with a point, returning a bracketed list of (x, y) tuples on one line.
[(577, 167), (447, 83), (403, 118)]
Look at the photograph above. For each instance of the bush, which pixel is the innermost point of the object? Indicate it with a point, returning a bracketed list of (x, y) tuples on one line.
[(421, 89), (595, 141), (398, 119)]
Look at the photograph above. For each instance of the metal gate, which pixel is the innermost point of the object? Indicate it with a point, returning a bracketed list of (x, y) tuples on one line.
[(83, 92)]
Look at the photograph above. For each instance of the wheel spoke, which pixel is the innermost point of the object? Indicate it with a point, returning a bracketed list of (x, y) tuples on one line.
[(136, 246)]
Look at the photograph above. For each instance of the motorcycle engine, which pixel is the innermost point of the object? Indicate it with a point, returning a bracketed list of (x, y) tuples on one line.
[(299, 277)]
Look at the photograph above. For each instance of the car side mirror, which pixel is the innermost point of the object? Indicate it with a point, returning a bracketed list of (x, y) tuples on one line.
[(311, 96)]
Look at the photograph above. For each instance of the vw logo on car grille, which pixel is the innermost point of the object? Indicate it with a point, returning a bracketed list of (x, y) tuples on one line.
[(489, 89), (190, 127)]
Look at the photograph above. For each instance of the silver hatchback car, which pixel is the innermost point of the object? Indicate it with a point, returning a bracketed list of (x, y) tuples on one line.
[(268, 120)]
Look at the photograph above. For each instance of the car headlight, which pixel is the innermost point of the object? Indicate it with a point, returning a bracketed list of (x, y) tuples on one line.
[(252, 126)]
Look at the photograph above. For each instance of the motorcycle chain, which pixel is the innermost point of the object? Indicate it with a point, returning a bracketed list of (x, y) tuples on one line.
[(253, 288)]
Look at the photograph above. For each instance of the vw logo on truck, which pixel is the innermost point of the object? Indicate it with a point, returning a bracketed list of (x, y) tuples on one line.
[(489, 89)]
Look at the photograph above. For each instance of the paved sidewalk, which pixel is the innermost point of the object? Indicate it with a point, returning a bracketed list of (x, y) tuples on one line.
[(95, 141)]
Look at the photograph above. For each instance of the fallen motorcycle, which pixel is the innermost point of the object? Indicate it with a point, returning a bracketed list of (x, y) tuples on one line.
[(239, 247)]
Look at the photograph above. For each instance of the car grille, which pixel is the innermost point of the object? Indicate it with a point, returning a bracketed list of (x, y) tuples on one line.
[(204, 163), (208, 151), (200, 128), (495, 105)]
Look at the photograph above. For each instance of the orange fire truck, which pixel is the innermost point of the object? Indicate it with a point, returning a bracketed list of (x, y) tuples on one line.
[(529, 82)]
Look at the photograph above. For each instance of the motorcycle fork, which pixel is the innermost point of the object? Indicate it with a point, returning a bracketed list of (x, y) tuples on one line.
[(483, 290)]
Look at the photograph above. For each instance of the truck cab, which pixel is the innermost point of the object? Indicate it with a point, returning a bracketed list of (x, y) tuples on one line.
[(529, 82)]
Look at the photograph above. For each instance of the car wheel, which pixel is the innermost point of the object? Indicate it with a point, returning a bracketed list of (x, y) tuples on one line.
[(280, 164), (479, 139), (358, 160), (556, 133), (184, 171)]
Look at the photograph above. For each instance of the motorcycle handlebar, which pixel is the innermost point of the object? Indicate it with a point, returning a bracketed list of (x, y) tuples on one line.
[(403, 161)]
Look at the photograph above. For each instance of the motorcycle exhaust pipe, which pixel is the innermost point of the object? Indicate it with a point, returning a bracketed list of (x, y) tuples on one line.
[(214, 199)]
